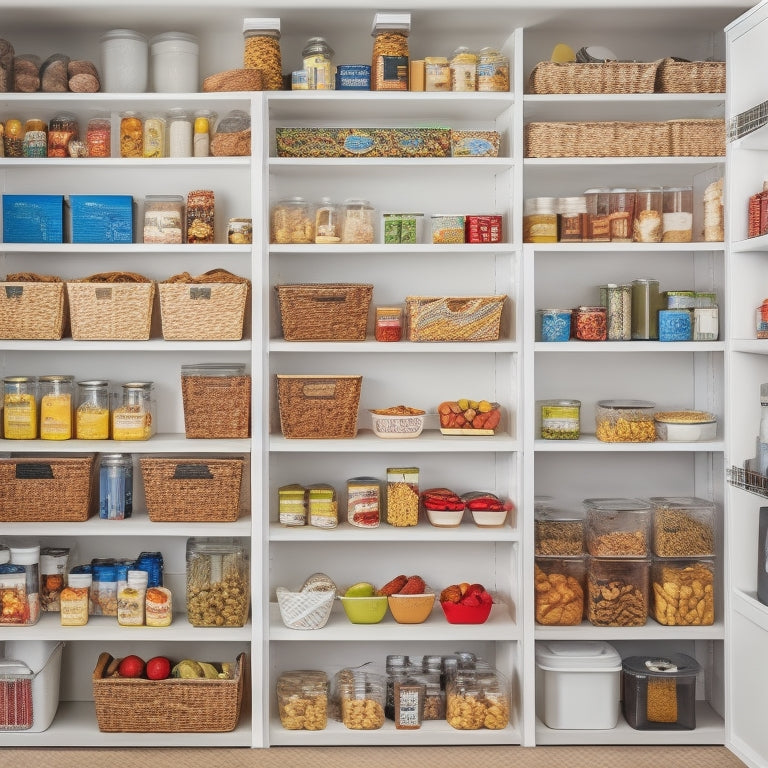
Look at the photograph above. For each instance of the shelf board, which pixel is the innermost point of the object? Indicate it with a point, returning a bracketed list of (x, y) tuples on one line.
[(407, 347), (609, 347), (124, 163), (313, 250), (151, 345), (637, 248), (589, 443), (698, 163), (499, 627), (750, 346), (161, 443), (652, 630), (751, 244), (395, 165), (747, 604), (109, 249)]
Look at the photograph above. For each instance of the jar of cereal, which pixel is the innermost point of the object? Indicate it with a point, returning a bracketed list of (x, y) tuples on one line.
[(357, 222), (291, 221)]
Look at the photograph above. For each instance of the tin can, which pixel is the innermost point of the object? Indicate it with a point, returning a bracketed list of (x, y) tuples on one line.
[(299, 80), (675, 325), (115, 486), (560, 419), (363, 502), (152, 563)]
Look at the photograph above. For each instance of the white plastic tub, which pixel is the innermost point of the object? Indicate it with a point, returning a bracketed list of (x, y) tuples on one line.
[(577, 684)]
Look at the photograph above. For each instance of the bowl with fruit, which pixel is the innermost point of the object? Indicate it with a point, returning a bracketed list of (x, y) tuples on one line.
[(410, 600), (363, 605), (466, 603), (469, 417)]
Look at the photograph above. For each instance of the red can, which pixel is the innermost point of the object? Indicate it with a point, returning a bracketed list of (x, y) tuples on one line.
[(483, 229)]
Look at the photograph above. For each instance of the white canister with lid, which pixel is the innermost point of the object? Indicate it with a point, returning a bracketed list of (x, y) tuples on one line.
[(124, 61), (175, 63)]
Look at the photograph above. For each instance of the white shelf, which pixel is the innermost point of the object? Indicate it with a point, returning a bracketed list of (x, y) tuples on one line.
[(588, 443), (638, 248), (135, 163), (695, 164), (106, 249), (151, 345), (611, 347), (381, 249), (161, 443), (747, 604), (406, 347), (394, 165), (650, 631)]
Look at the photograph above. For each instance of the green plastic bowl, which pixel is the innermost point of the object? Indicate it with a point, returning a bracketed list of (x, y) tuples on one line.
[(365, 610)]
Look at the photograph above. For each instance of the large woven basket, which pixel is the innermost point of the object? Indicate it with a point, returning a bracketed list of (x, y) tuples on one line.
[(203, 311), (216, 406), (192, 490), (597, 139), (305, 610), (549, 77), (110, 310), (324, 312), (174, 705), (454, 318), (31, 310), (318, 406), (46, 489), (690, 76), (697, 138)]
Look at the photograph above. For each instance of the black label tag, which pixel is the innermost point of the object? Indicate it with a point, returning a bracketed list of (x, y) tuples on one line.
[(34, 472), (192, 472), (200, 292), (14, 291)]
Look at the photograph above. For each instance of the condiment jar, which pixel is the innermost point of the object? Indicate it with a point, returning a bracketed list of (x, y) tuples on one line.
[(239, 231), (154, 136), (115, 486), (262, 50), (463, 67), (98, 136), (317, 61), (124, 61), (20, 408), (35, 141), (291, 221), (389, 324), (390, 57), (492, 71), (175, 65), (75, 600), (180, 129), (132, 420), (92, 415), (131, 135), (56, 407), (357, 222), (327, 222)]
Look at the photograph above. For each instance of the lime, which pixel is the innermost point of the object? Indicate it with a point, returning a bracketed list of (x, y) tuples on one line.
[(361, 589)]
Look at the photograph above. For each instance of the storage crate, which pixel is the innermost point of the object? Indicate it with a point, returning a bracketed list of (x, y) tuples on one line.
[(30, 672), (173, 705), (190, 490), (690, 76), (454, 318), (697, 138), (324, 312), (101, 218), (110, 310), (216, 406), (550, 77), (203, 311), (31, 310), (46, 489), (33, 218), (318, 406)]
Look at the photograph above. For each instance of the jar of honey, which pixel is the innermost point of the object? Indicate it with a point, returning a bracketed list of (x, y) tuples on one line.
[(56, 407)]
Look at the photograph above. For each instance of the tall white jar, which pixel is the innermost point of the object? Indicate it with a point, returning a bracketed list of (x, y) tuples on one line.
[(175, 63), (124, 61)]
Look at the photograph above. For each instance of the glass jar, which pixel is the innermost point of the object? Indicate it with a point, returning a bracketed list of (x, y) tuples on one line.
[(302, 700), (175, 63), (158, 607), (645, 308), (132, 420), (357, 224), (403, 496), (292, 505), (492, 71), (131, 135), (240, 231), (327, 222), (390, 58), (560, 419), (317, 62), (598, 204), (201, 216), (98, 136), (291, 221), (625, 421), (363, 502), (558, 531), (124, 61), (202, 133), (180, 129), (92, 415), (361, 696), (618, 527), (217, 582), (617, 591), (62, 129), (75, 600), (622, 214), (389, 324), (262, 50), (154, 136), (35, 141), (677, 216), (477, 698), (571, 219), (646, 227), (115, 486), (553, 324), (20, 407), (56, 407), (590, 323), (540, 220), (13, 138), (53, 571), (559, 590), (617, 300), (463, 66)]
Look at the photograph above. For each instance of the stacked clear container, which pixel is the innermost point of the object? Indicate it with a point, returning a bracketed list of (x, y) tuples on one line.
[(361, 696), (302, 700)]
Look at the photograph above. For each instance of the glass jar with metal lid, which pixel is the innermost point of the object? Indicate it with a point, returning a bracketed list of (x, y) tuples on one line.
[(92, 415), (20, 407), (56, 407), (560, 419), (317, 61), (132, 420)]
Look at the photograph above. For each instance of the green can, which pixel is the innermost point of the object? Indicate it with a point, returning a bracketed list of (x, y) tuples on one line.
[(560, 419)]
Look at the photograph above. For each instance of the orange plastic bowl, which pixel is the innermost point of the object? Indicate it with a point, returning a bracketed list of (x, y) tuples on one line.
[(456, 613)]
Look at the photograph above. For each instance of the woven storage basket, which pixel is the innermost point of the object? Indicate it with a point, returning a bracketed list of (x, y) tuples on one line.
[(192, 490), (203, 311), (690, 76), (324, 312), (110, 310), (234, 80), (46, 489), (236, 144), (305, 610), (216, 406), (597, 139), (697, 138), (318, 407), (550, 77), (174, 705), (454, 318), (31, 310)]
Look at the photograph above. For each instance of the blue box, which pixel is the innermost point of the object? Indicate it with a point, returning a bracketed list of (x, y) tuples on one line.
[(33, 218), (101, 218), (353, 77)]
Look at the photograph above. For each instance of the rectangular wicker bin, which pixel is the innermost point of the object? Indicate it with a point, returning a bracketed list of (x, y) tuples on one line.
[(324, 312), (597, 139), (697, 138), (31, 310), (192, 490), (203, 311), (318, 406), (119, 311), (690, 76), (46, 489), (174, 705), (550, 77), (217, 407), (454, 318)]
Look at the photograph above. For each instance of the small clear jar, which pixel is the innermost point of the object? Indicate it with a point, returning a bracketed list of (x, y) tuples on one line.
[(63, 129), (553, 324), (154, 139), (647, 227), (240, 231), (35, 141), (180, 130), (617, 591), (625, 421), (617, 300), (590, 324), (131, 134), (540, 220), (115, 486), (302, 700), (132, 420), (477, 698), (559, 590), (618, 527), (57, 407), (327, 222), (598, 203), (92, 414), (677, 216), (357, 225), (437, 74), (396, 667), (560, 419), (292, 221), (98, 136), (389, 324), (403, 496), (463, 67), (622, 214), (20, 407), (492, 71), (163, 219), (317, 62), (558, 532)]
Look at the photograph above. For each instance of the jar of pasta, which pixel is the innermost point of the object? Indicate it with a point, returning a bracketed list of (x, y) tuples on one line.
[(317, 61), (492, 71), (262, 50), (131, 135), (92, 415), (20, 407), (389, 62), (291, 221), (56, 407), (403, 496), (357, 223)]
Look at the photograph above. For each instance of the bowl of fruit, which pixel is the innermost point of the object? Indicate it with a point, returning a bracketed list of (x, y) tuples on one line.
[(410, 600), (469, 417), (363, 605), (466, 603)]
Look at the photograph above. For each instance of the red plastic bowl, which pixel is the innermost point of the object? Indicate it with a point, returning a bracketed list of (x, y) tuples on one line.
[(456, 613)]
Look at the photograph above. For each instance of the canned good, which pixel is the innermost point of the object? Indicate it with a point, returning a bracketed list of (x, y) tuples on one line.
[(115, 486), (560, 419), (675, 325), (363, 502), (292, 505), (322, 506)]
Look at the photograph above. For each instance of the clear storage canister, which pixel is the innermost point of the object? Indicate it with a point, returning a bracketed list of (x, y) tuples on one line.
[(98, 136), (553, 324), (559, 590), (361, 696), (327, 222), (625, 421), (683, 592), (560, 419), (390, 57), (317, 62), (13, 594), (477, 698), (463, 66), (240, 231), (683, 526), (217, 582), (262, 50), (154, 131), (572, 219), (677, 217), (132, 419), (75, 600), (92, 415), (646, 227), (617, 591), (302, 700), (617, 300), (322, 506), (618, 527), (598, 202), (292, 221), (124, 61), (29, 558), (558, 531), (363, 502), (292, 505), (540, 220), (646, 302), (35, 141), (621, 216), (131, 135), (403, 496), (180, 129), (164, 219), (492, 70), (590, 323), (20, 407), (175, 65), (357, 223), (57, 407)]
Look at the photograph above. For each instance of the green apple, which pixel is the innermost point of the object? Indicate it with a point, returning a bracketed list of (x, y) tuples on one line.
[(361, 589)]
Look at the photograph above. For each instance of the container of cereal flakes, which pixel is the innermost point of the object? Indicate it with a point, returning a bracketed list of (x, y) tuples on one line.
[(625, 421)]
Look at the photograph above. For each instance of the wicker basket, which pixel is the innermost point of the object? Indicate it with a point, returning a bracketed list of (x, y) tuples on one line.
[(192, 490), (174, 705), (46, 489), (697, 138), (305, 610), (454, 318), (203, 311), (324, 312), (236, 144), (549, 77), (318, 407), (234, 80), (597, 139), (31, 310), (110, 310), (216, 406), (690, 76)]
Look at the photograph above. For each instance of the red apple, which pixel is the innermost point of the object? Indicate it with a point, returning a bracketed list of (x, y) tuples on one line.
[(131, 666), (472, 588), (158, 668)]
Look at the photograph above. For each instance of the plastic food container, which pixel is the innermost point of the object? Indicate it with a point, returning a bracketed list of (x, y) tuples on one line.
[(302, 700), (560, 419), (683, 526), (617, 591), (477, 698), (683, 592), (391, 426), (558, 531), (361, 696), (577, 684), (444, 509), (553, 324), (124, 61), (617, 527), (447, 228), (625, 421), (365, 610), (559, 590), (175, 66), (685, 426), (660, 692), (456, 613), (488, 510)]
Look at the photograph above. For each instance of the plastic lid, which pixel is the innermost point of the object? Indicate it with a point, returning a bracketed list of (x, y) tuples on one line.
[(620, 404), (123, 34), (25, 555), (400, 22), (573, 655), (174, 37), (79, 580), (673, 665), (5, 555), (138, 578), (93, 383), (262, 25), (617, 505), (681, 502)]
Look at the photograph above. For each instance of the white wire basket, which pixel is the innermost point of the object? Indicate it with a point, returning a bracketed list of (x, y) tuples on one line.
[(305, 610)]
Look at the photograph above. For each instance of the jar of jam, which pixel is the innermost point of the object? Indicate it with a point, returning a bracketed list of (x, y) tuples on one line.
[(389, 324), (590, 323)]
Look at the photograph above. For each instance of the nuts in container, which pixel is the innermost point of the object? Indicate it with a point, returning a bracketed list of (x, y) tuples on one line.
[(683, 526), (617, 591), (625, 421)]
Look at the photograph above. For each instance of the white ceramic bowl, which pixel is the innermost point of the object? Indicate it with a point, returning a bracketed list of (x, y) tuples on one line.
[(445, 518), (488, 518), (397, 427), (685, 426)]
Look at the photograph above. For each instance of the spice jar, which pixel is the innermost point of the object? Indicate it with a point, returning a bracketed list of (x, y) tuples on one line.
[(291, 221), (180, 130), (175, 62), (154, 136), (492, 71), (357, 224), (75, 600), (646, 227), (560, 419), (389, 324), (92, 415), (539, 220), (131, 135), (677, 215), (621, 216), (98, 136), (317, 61), (20, 408), (617, 300), (327, 222), (239, 231), (292, 505), (598, 203), (363, 502), (463, 67), (35, 141), (217, 582), (390, 57), (132, 420), (115, 486), (590, 323), (201, 208), (403, 496), (56, 407), (62, 129), (262, 50), (322, 507), (645, 308)]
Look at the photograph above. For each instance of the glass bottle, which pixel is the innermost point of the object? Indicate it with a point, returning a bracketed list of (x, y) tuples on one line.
[(327, 222), (317, 61), (56, 407), (357, 223), (20, 407), (132, 420), (92, 415)]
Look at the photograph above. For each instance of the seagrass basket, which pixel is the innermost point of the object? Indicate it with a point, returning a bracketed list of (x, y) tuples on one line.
[(697, 137), (454, 318), (32, 310), (216, 401), (305, 610), (318, 406), (234, 80), (120, 311), (192, 490), (173, 705), (550, 77), (690, 76), (203, 311), (324, 312), (597, 139)]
